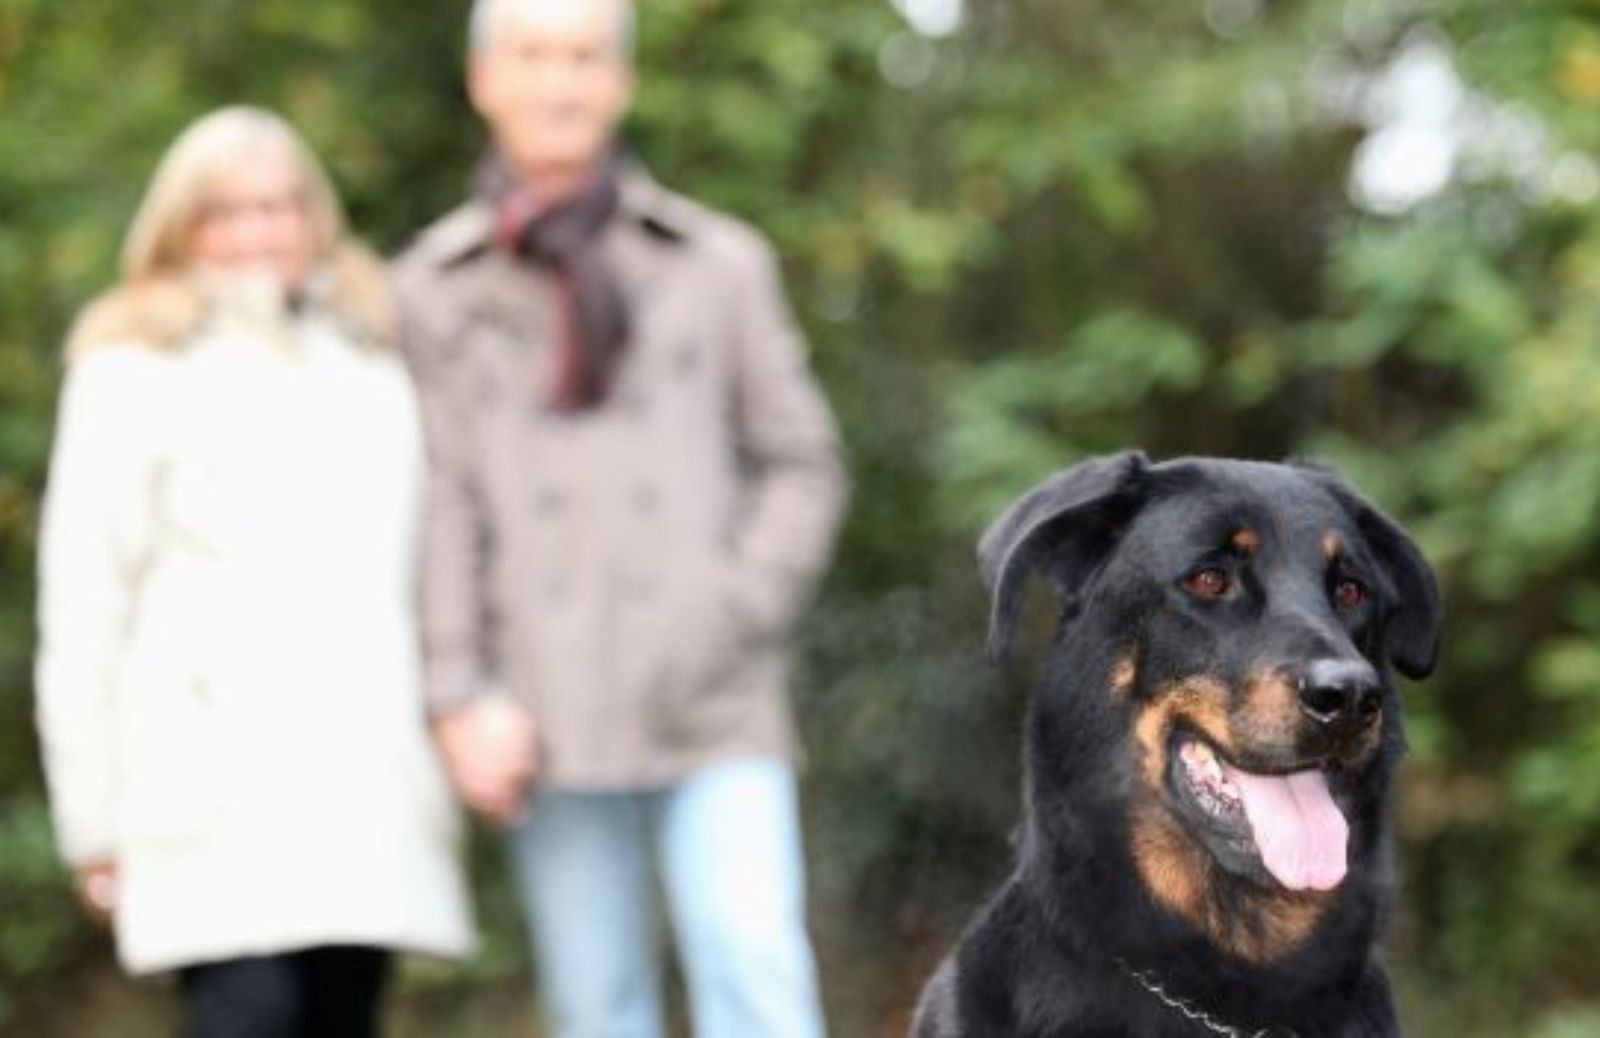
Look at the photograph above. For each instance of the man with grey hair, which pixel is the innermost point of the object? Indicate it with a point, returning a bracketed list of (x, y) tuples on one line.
[(634, 483), (481, 26)]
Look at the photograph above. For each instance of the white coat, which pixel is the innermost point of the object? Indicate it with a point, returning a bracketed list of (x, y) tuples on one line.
[(227, 674)]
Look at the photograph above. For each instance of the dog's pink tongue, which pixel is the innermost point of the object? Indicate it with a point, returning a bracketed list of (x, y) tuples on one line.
[(1299, 830)]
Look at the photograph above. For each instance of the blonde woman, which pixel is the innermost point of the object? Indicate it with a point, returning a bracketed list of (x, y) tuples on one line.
[(227, 678)]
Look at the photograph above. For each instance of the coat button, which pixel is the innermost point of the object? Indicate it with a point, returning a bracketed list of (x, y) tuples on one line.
[(686, 358), (633, 403), (641, 589), (487, 391), (549, 502)]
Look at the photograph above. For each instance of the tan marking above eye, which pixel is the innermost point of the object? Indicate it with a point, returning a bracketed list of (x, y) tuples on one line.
[(1124, 674), (1246, 541), (1332, 545)]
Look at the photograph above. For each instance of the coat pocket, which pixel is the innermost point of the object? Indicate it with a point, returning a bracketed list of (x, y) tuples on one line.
[(706, 644), (173, 753)]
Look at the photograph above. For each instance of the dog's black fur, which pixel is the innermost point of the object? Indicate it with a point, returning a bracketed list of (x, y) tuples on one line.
[(1257, 607)]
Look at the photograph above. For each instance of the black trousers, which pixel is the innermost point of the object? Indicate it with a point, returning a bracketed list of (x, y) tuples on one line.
[(328, 992)]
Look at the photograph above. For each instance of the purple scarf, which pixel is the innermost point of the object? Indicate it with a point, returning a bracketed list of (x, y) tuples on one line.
[(565, 239)]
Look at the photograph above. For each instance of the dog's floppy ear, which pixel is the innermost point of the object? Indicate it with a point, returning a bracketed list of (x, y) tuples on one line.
[(1412, 634), (1065, 526)]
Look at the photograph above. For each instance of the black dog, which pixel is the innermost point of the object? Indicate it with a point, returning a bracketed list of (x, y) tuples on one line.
[(1205, 843)]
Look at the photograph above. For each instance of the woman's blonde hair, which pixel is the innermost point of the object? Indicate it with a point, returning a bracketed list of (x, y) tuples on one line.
[(158, 303)]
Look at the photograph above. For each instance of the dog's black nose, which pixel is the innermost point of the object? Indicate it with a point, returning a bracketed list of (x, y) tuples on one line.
[(1342, 692)]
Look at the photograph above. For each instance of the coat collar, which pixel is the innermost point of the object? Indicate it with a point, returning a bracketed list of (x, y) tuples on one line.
[(643, 202)]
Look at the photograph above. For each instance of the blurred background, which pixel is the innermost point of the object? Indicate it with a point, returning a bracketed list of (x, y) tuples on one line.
[(1017, 231)]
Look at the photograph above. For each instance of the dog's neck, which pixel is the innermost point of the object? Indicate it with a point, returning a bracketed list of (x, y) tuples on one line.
[(1196, 1014)]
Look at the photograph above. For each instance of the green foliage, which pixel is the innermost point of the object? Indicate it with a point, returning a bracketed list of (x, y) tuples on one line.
[(1069, 228), (1017, 416), (38, 934)]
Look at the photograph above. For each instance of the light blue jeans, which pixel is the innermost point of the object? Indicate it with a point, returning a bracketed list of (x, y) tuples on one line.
[(726, 841)]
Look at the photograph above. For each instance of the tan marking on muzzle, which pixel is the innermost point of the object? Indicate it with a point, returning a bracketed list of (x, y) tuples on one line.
[(1269, 711), (1366, 745), (1252, 924), (1172, 866), (1270, 719), (1201, 701)]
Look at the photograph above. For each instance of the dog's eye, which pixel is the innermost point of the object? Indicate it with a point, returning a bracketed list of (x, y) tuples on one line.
[(1211, 582), (1348, 593)]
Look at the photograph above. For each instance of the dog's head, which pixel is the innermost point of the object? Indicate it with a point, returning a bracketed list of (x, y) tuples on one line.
[(1245, 617)]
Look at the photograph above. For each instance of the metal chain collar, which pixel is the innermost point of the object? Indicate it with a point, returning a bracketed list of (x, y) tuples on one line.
[(1194, 1013)]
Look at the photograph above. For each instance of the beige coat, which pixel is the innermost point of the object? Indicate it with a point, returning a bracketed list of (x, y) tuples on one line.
[(228, 682), (632, 574)]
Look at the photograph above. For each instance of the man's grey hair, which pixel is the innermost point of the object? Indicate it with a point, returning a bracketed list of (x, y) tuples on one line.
[(480, 31)]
